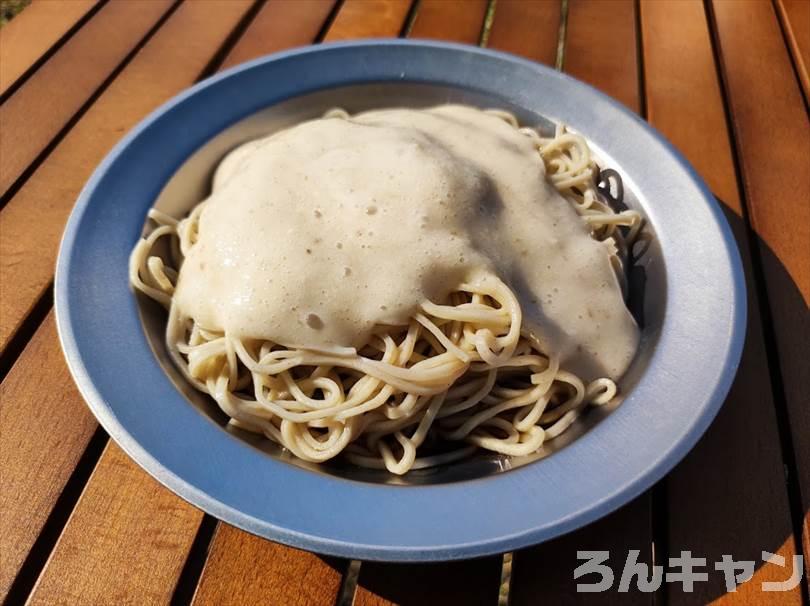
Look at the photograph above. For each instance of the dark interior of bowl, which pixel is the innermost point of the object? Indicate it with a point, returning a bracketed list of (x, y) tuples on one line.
[(192, 181)]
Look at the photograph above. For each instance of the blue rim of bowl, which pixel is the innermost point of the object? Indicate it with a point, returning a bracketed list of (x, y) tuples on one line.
[(691, 369)]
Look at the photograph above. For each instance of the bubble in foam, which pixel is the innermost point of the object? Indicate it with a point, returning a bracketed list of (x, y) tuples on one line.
[(314, 321)]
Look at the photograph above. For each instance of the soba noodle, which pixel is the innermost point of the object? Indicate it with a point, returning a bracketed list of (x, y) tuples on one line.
[(463, 373)]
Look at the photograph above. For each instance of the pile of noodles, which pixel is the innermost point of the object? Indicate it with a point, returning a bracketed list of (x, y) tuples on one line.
[(460, 376)]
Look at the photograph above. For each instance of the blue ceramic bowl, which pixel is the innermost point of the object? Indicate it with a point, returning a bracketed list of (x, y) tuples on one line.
[(692, 310)]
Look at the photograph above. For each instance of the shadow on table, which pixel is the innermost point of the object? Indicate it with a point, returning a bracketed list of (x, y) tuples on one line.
[(466, 583), (736, 493), (729, 496)]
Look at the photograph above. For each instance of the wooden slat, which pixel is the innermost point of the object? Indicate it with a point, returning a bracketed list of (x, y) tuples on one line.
[(32, 33), (369, 19), (452, 20), (772, 135), (695, 123), (126, 541), (528, 29), (547, 570), (39, 387), (467, 583), (233, 552), (45, 103), (760, 117), (37, 213), (461, 583), (234, 555), (245, 569), (705, 491), (795, 15), (43, 433), (271, 30), (606, 22), (241, 568)]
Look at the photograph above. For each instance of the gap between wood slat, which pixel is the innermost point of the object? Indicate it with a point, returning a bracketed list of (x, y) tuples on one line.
[(486, 28), (559, 62), (52, 529), (505, 584), (125, 542), (259, 33), (195, 562), (505, 589), (330, 19), (65, 503), (272, 34), (242, 568), (216, 62), (469, 582), (796, 500), (37, 393), (410, 19), (642, 87), (369, 19), (793, 31), (545, 573), (431, 20), (332, 25), (348, 585), (22, 336), (36, 144), (562, 25), (193, 567), (527, 29), (659, 529), (659, 504), (8, 86), (688, 108), (716, 504)]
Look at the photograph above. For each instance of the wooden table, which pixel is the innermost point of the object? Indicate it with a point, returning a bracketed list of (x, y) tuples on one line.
[(726, 82)]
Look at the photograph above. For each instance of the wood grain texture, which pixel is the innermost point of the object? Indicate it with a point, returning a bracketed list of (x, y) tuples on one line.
[(245, 569), (466, 583), (31, 223), (528, 29), (462, 583), (369, 19), (546, 572), (772, 134), (705, 491), (290, 576), (39, 109), (125, 543), (766, 106), (241, 568), (38, 391), (44, 429), (32, 33), (279, 25), (452, 20), (168, 524), (795, 15), (605, 56)]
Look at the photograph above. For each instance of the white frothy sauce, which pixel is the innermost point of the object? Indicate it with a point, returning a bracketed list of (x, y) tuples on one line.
[(317, 234)]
